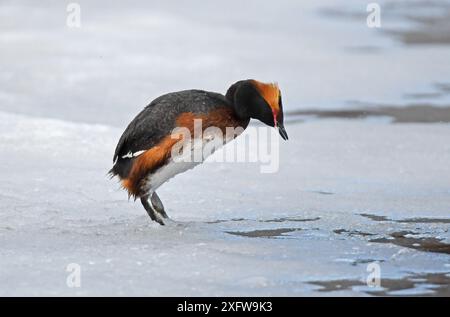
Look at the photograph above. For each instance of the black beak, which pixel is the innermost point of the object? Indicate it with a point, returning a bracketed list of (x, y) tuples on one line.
[(282, 131)]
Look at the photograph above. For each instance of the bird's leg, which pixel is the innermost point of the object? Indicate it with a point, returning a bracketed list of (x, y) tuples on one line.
[(158, 205), (150, 210)]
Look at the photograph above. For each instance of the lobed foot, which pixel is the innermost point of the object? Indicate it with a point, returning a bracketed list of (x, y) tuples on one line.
[(154, 215), (158, 205)]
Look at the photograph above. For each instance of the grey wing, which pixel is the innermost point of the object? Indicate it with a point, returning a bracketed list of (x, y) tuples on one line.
[(158, 118), (133, 133), (156, 121), (142, 133)]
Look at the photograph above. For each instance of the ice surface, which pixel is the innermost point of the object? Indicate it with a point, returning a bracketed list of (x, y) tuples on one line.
[(348, 192), (234, 231), (124, 55)]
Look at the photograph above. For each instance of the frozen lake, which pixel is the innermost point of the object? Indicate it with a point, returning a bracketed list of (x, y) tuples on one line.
[(321, 52), (349, 195)]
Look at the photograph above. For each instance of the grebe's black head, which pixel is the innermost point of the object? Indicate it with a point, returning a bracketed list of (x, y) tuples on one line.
[(254, 99)]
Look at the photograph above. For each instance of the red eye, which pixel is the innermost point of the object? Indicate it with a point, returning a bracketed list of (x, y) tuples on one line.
[(274, 118)]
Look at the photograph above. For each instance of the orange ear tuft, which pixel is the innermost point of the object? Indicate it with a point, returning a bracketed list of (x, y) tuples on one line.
[(270, 92)]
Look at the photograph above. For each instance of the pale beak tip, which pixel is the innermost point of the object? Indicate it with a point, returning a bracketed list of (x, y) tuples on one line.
[(283, 132)]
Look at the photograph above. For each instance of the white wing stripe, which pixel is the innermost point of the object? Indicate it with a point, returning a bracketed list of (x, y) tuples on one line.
[(131, 155)]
